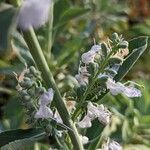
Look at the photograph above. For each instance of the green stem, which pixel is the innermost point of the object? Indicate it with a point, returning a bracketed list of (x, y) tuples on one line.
[(42, 65), (78, 108), (50, 26), (16, 3)]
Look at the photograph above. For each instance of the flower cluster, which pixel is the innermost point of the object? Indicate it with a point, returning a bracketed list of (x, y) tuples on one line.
[(34, 97), (94, 112)]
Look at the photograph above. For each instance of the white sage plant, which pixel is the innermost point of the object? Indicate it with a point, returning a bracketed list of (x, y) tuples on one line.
[(69, 112)]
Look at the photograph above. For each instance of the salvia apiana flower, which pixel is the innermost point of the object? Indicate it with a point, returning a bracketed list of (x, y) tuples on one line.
[(45, 99), (33, 13), (111, 145), (86, 58), (44, 112), (85, 122), (119, 88), (89, 56), (84, 139), (104, 114), (57, 117), (82, 76), (93, 112)]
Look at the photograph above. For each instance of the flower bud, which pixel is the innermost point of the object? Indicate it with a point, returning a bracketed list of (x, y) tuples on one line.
[(27, 98), (23, 92), (93, 68), (111, 72), (105, 49), (123, 44), (114, 37), (32, 70), (31, 92), (115, 60)]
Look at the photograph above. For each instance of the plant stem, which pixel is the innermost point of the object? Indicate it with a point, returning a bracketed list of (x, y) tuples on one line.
[(50, 26), (78, 108), (42, 65)]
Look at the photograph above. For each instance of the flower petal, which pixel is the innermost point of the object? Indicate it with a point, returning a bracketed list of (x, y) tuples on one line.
[(46, 97), (44, 112), (85, 122), (132, 92), (84, 139)]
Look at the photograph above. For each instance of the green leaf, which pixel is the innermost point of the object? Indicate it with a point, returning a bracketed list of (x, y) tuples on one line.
[(18, 144), (59, 8), (136, 47), (20, 136), (72, 13), (7, 14)]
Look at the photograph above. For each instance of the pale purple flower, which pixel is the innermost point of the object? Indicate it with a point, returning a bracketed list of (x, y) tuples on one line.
[(111, 145), (83, 76), (88, 57), (47, 97), (119, 88), (57, 117), (95, 48), (82, 79), (84, 139), (44, 112), (131, 91), (83, 71), (85, 122), (103, 115), (33, 13), (92, 111)]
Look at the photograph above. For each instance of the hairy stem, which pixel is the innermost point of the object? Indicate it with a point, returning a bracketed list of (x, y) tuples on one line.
[(42, 65), (49, 33)]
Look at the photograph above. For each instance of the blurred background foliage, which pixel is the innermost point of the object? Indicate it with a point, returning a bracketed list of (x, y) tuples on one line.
[(76, 25)]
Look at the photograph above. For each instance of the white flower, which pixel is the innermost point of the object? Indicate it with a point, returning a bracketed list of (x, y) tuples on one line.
[(103, 114), (88, 57), (100, 112), (119, 88), (84, 139), (83, 76), (132, 92), (85, 122), (44, 112), (95, 48), (82, 80), (33, 13), (57, 117), (111, 145), (47, 97), (115, 88), (83, 71), (92, 111)]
